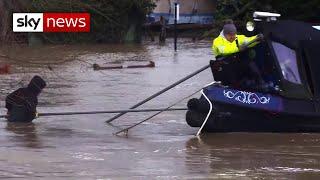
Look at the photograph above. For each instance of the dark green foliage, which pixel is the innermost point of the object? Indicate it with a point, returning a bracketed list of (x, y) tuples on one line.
[(242, 10), (306, 10), (110, 19)]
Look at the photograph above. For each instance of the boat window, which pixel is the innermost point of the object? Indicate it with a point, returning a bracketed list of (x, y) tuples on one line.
[(288, 62)]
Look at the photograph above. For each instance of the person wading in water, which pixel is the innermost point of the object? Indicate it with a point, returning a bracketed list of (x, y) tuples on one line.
[(22, 103)]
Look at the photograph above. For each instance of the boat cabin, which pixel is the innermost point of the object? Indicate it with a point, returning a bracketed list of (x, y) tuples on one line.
[(285, 63)]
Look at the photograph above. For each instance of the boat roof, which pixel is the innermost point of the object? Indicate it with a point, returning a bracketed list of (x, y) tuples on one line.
[(317, 27), (290, 32), (305, 40)]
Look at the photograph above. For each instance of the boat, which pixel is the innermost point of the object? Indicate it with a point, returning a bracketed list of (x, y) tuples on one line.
[(271, 87)]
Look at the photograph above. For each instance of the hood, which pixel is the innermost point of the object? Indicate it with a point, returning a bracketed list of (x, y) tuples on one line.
[(36, 85)]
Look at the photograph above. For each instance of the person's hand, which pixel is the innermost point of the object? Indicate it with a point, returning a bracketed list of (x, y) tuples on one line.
[(37, 115), (260, 37)]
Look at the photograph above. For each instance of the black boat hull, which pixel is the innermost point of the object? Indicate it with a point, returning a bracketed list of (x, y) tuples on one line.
[(228, 117), (241, 120)]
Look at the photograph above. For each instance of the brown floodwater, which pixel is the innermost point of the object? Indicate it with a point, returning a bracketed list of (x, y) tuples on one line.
[(165, 147)]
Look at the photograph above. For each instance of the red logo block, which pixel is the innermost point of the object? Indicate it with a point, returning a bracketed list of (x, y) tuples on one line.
[(66, 22)]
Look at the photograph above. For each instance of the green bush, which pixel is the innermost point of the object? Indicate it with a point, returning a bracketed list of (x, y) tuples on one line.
[(110, 19)]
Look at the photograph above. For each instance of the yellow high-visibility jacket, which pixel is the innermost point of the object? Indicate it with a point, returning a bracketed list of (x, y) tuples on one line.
[(221, 46)]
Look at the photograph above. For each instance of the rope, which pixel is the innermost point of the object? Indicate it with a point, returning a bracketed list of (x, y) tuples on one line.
[(210, 110), (208, 115)]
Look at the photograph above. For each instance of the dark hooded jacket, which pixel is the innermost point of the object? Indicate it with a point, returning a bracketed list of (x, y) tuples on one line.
[(22, 103)]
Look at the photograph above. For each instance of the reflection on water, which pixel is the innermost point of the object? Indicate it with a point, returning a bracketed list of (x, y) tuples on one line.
[(83, 146), (25, 134)]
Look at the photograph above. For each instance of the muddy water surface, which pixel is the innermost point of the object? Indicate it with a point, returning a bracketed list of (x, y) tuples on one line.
[(84, 147)]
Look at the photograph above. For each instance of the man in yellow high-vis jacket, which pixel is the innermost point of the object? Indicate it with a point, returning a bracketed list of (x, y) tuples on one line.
[(229, 42)]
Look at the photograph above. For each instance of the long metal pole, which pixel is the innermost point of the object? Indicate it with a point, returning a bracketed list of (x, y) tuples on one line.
[(161, 92), (127, 129), (175, 26), (106, 112)]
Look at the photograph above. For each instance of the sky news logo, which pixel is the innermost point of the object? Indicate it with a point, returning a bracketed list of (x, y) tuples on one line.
[(51, 22)]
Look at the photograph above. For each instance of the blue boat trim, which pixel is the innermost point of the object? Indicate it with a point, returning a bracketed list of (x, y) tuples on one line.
[(245, 99)]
